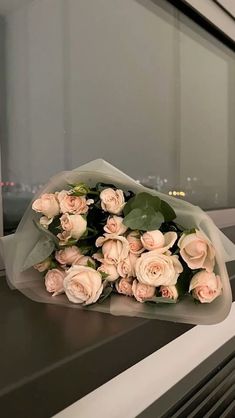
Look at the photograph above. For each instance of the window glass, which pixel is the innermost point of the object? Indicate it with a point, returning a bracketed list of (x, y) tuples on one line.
[(132, 81)]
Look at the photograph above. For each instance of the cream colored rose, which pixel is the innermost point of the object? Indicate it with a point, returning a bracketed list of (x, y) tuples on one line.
[(83, 285), (45, 222), (110, 270), (76, 205), (126, 267), (142, 292), (115, 225), (197, 251), (136, 246), (74, 224), (47, 204), (155, 240), (157, 269), (115, 248), (44, 265), (124, 286), (54, 280), (112, 201), (69, 255), (169, 292), (205, 286)]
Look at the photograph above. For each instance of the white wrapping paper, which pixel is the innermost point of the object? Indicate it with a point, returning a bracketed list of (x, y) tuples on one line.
[(16, 249)]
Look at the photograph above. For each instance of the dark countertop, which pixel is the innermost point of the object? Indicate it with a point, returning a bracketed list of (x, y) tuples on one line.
[(51, 356)]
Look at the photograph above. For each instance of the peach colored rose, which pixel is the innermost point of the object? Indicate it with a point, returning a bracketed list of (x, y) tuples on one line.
[(126, 267), (169, 292), (112, 201), (109, 269), (197, 251), (84, 261), (69, 255), (54, 280), (44, 265), (99, 257), (74, 224), (135, 243), (124, 286), (47, 204), (45, 222), (205, 286), (64, 237), (76, 205), (155, 240), (157, 269), (142, 291), (115, 248), (83, 285), (115, 225)]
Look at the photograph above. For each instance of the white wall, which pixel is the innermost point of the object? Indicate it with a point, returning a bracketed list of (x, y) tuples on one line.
[(119, 79)]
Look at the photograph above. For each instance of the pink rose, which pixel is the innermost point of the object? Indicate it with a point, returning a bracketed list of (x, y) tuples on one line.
[(69, 255), (76, 205), (47, 204), (74, 224), (169, 292), (83, 285), (110, 270), (115, 225), (54, 281), (64, 237), (115, 248), (45, 222), (126, 267), (205, 286), (155, 240), (84, 261), (135, 243), (124, 286), (197, 251), (142, 291), (157, 269), (99, 257), (112, 201), (44, 265)]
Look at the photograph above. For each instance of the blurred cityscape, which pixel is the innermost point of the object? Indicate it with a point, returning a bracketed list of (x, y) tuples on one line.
[(17, 196)]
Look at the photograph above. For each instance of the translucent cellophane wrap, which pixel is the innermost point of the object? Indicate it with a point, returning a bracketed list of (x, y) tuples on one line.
[(17, 248)]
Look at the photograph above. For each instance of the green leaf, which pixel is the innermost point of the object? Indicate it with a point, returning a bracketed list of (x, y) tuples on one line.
[(142, 201), (103, 274), (189, 231), (54, 264), (159, 299), (79, 189), (144, 220), (42, 249), (90, 264), (167, 211)]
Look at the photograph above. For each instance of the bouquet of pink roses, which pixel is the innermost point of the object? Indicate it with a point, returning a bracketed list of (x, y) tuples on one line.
[(107, 240), (96, 239)]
